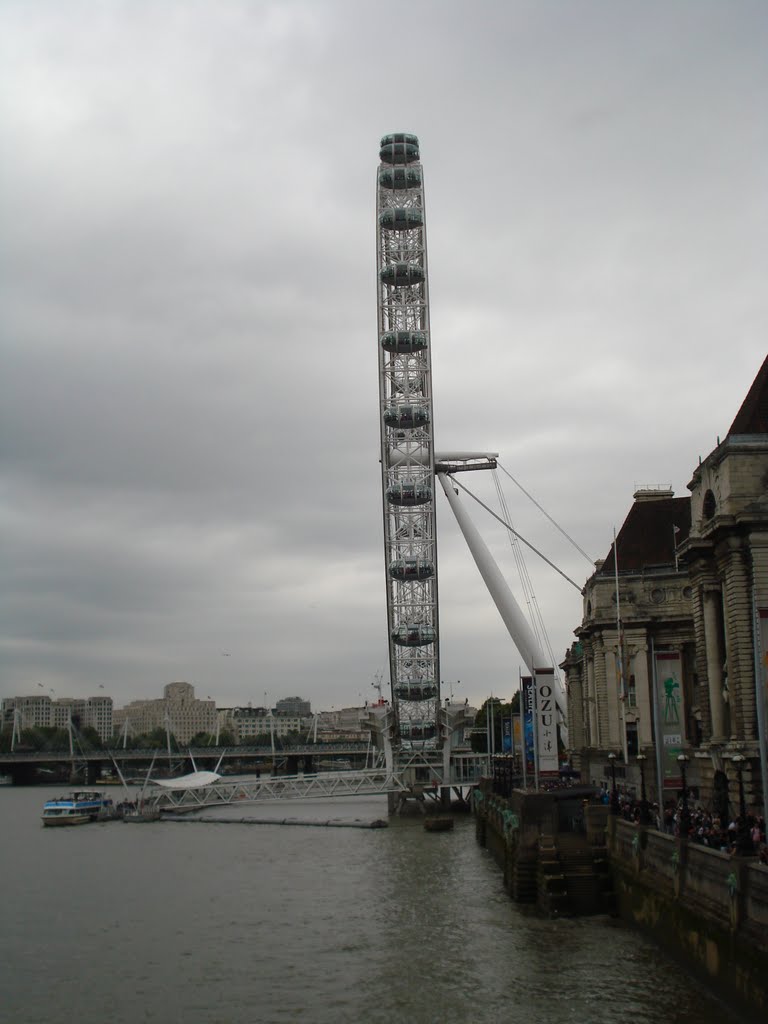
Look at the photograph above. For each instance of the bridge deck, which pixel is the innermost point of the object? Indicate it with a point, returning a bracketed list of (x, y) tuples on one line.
[(311, 750)]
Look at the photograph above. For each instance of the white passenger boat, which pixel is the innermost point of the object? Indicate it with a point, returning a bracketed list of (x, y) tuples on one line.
[(78, 808)]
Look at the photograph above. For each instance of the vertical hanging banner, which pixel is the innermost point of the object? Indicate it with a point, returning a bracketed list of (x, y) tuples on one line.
[(546, 722), (526, 687), (507, 746), (669, 678)]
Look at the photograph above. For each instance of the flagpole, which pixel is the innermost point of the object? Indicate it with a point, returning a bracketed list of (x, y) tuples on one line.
[(620, 634), (657, 729), (493, 728), (675, 531), (511, 732), (488, 736), (761, 692)]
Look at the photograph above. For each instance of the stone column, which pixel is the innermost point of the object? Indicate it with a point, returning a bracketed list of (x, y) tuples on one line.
[(601, 693), (576, 723), (615, 739), (758, 546), (737, 592), (700, 652), (715, 659), (594, 731), (644, 696)]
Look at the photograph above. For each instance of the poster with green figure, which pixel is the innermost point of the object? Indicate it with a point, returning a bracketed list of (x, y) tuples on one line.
[(670, 701), (670, 714)]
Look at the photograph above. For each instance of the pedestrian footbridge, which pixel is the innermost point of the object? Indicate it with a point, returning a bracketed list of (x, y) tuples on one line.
[(204, 789), (207, 789)]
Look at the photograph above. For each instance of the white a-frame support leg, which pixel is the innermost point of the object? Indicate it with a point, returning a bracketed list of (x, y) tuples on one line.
[(510, 611)]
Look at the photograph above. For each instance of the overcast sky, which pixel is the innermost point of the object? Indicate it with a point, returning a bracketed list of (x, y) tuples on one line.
[(191, 487)]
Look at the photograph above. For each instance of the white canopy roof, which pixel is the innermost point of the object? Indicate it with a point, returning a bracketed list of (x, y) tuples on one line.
[(195, 780)]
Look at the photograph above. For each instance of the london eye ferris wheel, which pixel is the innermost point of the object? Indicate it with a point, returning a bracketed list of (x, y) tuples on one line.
[(407, 446), (418, 728)]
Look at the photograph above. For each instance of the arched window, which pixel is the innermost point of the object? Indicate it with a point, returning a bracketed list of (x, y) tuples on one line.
[(709, 507)]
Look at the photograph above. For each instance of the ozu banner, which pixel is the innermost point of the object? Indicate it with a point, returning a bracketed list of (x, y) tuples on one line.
[(546, 735)]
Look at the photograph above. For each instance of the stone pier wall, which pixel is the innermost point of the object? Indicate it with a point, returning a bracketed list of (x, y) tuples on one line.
[(550, 848), (706, 908)]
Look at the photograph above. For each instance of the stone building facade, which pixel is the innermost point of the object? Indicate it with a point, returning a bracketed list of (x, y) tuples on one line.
[(675, 665), (249, 724), (95, 712), (610, 670), (245, 723), (296, 706), (343, 724), (727, 559)]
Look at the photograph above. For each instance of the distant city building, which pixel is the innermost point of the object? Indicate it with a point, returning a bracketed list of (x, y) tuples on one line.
[(96, 712), (42, 712), (178, 710), (245, 724), (461, 721), (32, 711), (284, 725), (346, 723), (293, 706)]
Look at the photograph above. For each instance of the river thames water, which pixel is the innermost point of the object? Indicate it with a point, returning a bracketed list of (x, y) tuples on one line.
[(221, 924)]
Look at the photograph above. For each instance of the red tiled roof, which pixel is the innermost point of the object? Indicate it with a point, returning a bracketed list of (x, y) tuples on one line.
[(752, 417), (647, 536)]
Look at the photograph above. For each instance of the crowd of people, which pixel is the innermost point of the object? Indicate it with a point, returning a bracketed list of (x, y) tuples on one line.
[(683, 819), (704, 827)]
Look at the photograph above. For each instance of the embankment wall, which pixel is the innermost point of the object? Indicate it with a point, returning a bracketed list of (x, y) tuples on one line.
[(708, 909), (704, 907)]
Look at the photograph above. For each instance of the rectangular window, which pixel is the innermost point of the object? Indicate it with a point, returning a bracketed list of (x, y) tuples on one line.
[(632, 746), (632, 692)]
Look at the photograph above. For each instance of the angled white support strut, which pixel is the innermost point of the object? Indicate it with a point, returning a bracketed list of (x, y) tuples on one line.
[(510, 611)]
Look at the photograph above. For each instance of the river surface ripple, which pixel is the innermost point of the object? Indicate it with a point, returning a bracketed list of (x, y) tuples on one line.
[(212, 924)]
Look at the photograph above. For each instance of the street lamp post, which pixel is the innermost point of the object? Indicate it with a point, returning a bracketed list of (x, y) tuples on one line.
[(743, 838), (685, 817), (644, 815), (614, 806)]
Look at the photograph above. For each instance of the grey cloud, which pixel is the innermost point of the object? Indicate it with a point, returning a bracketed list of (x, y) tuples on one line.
[(190, 424)]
